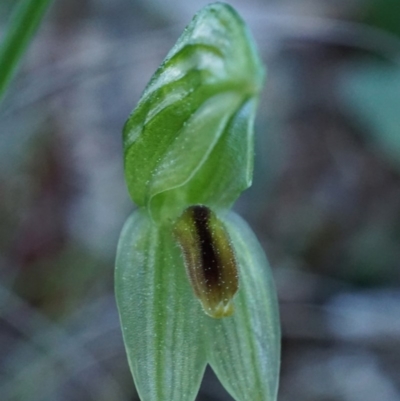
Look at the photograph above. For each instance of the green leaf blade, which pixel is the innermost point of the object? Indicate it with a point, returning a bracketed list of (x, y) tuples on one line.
[(215, 57), (22, 26), (162, 323), (245, 348)]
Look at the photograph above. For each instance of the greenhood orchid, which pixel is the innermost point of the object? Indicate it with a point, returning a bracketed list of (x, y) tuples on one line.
[(193, 286)]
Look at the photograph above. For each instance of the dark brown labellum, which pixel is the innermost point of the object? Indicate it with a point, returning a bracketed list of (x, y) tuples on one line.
[(209, 259)]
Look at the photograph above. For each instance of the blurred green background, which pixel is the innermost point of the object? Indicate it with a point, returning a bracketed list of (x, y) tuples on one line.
[(325, 201)]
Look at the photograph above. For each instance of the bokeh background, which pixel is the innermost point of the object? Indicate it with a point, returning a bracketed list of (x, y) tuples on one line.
[(325, 202)]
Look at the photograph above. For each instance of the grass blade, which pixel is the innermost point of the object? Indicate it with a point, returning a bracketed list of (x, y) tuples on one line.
[(22, 26)]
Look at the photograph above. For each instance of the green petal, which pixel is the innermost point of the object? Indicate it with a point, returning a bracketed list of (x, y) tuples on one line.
[(200, 101), (245, 348), (162, 322), (215, 168)]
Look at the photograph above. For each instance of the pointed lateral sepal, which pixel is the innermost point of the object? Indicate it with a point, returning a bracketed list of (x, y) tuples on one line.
[(244, 349), (162, 323), (209, 259)]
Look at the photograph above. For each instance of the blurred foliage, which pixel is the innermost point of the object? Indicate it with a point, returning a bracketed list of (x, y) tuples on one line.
[(372, 92), (383, 14)]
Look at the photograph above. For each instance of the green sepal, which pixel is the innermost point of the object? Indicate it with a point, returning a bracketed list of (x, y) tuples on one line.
[(244, 350), (162, 323), (194, 122)]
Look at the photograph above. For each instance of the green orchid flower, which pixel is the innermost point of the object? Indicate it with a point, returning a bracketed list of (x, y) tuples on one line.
[(193, 286)]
